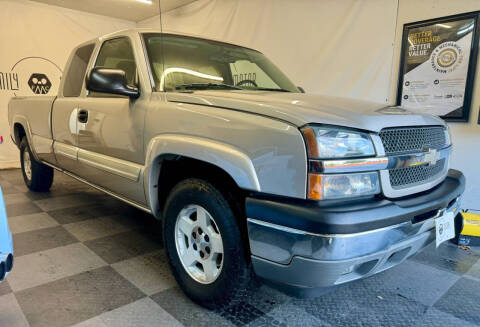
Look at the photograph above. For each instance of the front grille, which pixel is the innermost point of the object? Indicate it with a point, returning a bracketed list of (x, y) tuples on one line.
[(412, 139), (411, 176)]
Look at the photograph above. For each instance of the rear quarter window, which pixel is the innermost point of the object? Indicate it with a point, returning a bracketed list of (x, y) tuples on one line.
[(72, 86)]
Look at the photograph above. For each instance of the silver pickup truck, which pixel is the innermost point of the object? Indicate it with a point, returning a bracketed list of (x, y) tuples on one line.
[(250, 175)]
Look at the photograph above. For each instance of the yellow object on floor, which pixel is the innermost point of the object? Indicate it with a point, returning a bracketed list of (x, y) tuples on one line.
[(471, 229), (471, 224)]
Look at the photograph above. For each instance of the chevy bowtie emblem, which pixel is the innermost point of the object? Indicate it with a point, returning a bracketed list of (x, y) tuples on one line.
[(431, 157)]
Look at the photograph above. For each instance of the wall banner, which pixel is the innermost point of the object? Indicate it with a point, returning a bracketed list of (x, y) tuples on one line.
[(437, 66)]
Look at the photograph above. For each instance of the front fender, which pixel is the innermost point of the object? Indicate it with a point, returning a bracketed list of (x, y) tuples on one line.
[(227, 157)]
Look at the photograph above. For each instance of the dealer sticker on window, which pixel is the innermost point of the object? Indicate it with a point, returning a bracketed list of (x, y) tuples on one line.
[(445, 227)]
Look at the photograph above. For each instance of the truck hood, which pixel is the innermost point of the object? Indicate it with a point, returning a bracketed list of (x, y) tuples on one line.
[(300, 108)]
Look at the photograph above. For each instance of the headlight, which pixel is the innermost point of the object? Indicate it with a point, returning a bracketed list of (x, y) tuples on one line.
[(337, 186), (330, 142)]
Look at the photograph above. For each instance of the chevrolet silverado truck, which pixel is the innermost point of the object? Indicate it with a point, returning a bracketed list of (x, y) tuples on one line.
[(250, 176)]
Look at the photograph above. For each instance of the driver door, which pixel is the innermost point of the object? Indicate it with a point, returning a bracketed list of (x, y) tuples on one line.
[(110, 129)]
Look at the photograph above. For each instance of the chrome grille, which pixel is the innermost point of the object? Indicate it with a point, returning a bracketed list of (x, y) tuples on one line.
[(412, 139), (410, 176)]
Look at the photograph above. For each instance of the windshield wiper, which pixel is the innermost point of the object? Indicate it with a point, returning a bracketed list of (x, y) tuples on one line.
[(206, 86), (271, 89)]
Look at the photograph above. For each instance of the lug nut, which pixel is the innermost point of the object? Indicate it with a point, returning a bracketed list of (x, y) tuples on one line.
[(194, 235), (206, 238), (200, 231), (202, 254), (195, 247), (207, 249)]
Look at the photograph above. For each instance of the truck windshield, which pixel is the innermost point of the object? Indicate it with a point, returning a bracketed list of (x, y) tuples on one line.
[(181, 63)]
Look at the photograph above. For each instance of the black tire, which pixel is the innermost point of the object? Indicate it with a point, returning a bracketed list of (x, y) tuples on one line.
[(236, 275), (41, 175)]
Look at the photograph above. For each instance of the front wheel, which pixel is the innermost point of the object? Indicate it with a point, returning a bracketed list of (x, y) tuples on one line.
[(37, 176), (204, 244)]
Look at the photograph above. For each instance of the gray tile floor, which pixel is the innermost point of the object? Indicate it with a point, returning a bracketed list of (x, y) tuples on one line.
[(83, 258)]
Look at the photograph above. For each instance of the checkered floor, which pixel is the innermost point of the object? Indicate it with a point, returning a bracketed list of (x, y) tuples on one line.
[(83, 258)]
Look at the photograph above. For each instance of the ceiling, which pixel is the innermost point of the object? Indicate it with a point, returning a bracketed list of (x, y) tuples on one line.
[(133, 10)]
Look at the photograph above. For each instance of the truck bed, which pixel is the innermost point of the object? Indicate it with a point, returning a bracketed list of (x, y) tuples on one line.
[(33, 113)]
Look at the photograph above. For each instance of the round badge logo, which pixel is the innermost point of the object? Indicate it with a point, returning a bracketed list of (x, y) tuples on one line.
[(446, 57), (37, 76)]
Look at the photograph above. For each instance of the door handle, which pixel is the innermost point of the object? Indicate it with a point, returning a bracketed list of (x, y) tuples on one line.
[(82, 115)]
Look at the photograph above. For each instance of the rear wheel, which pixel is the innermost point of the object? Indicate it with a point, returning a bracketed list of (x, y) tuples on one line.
[(204, 244), (37, 176)]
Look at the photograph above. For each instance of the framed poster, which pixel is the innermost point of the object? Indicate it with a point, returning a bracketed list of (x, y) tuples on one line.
[(437, 66)]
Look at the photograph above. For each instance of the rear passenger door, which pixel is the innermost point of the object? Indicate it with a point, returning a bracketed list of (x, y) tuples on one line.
[(110, 131), (65, 109)]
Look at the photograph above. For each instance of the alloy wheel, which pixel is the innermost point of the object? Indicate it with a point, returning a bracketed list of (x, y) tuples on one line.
[(199, 244)]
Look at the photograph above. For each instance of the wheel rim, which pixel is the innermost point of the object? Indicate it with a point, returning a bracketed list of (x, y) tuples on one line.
[(27, 164), (199, 244)]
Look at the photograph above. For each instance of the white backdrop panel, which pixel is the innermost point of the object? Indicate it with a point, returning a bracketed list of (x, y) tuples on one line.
[(30, 29), (342, 48)]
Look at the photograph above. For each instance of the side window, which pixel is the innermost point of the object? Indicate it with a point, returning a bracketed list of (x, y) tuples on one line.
[(72, 86), (118, 54)]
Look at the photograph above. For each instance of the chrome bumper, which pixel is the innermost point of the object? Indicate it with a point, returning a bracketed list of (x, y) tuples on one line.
[(307, 260)]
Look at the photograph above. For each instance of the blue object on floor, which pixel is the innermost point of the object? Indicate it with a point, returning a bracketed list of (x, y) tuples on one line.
[(6, 244)]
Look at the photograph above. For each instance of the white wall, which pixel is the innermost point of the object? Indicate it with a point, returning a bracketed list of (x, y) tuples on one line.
[(347, 48), (34, 29), (341, 48)]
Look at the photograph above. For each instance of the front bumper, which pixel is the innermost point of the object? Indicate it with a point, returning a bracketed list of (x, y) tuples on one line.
[(6, 244), (309, 245)]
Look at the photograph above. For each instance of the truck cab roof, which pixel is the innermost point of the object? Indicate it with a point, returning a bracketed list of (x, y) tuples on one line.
[(135, 31)]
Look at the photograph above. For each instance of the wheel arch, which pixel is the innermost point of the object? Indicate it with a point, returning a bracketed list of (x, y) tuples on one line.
[(179, 153), (20, 128), (18, 133)]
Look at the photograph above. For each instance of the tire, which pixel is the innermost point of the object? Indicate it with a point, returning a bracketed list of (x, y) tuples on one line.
[(37, 176), (234, 275)]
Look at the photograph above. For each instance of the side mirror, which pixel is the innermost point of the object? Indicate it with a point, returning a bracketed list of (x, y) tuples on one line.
[(301, 89), (114, 81)]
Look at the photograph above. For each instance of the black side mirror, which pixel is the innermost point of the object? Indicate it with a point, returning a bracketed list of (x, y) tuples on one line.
[(301, 89), (114, 81)]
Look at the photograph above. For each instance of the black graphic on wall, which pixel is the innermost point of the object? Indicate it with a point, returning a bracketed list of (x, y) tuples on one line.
[(8, 81), (36, 76), (39, 83)]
